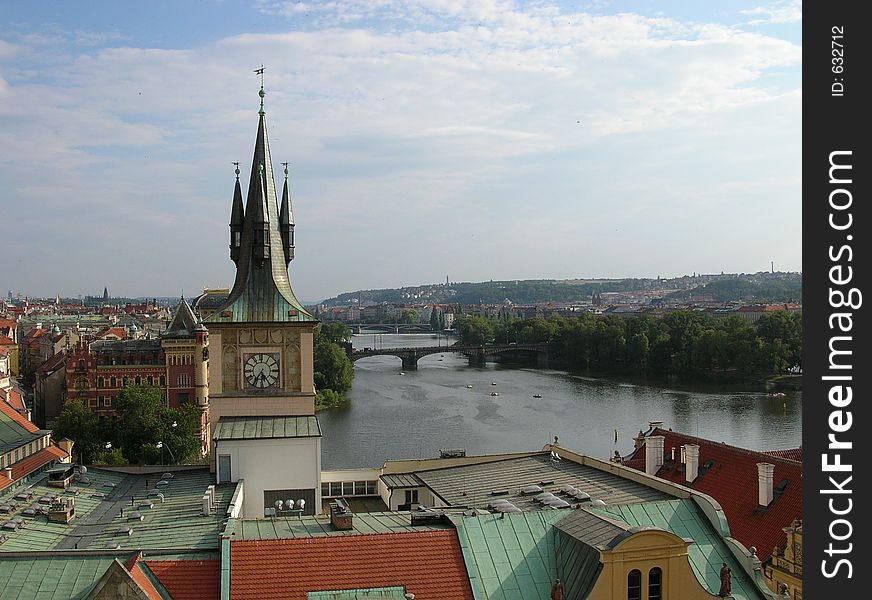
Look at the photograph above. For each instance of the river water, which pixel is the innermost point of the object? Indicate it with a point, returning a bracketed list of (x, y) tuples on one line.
[(415, 414)]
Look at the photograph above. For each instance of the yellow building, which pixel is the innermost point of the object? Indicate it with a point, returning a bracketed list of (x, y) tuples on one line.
[(783, 572)]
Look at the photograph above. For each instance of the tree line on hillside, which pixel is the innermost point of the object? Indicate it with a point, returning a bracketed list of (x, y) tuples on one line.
[(761, 287), (686, 344)]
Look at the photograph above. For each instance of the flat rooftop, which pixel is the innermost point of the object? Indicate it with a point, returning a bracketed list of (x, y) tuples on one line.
[(317, 526), (475, 485), (117, 509)]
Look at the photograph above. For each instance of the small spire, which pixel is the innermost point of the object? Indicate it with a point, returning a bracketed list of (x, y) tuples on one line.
[(261, 93), (237, 170), (286, 170)]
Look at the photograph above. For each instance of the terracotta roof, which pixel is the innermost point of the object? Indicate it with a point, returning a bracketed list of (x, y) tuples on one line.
[(188, 579), (6, 341), (732, 481), (13, 399), (118, 332), (15, 416), (8, 324), (790, 453), (428, 564), (134, 567), (32, 463)]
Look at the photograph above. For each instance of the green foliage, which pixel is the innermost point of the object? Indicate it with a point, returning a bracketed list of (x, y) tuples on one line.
[(78, 423), (113, 457), (142, 421), (333, 369), (328, 399), (474, 330), (409, 316), (338, 333)]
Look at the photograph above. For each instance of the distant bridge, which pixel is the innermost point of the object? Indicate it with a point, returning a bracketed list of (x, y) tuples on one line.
[(390, 327), (477, 355)]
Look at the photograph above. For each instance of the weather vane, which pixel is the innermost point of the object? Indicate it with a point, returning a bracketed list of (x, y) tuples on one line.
[(236, 164), (260, 72)]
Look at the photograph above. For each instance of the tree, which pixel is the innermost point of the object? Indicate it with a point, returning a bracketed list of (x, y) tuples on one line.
[(338, 333), (148, 431), (333, 368), (78, 423), (475, 330), (409, 316)]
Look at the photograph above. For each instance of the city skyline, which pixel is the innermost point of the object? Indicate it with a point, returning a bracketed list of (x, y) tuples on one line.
[(483, 141)]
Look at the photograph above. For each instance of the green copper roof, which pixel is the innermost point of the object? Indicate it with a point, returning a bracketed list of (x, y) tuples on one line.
[(257, 428), (262, 289), (510, 556), (685, 519), (47, 577)]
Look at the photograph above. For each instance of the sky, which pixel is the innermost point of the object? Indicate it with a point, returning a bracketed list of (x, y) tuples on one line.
[(472, 140)]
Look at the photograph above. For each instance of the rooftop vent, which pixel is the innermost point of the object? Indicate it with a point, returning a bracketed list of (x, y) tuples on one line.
[(531, 490), (782, 485), (598, 503), (499, 492), (546, 482), (452, 452), (427, 517)]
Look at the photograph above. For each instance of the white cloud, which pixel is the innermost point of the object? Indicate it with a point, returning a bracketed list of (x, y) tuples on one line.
[(781, 11), (475, 116)]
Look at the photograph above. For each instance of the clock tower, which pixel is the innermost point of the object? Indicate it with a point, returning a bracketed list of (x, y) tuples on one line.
[(261, 405)]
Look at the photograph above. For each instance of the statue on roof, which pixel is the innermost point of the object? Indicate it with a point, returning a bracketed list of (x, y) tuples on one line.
[(557, 592), (726, 581)]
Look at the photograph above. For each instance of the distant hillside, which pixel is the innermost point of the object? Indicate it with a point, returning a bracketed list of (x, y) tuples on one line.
[(765, 290), (764, 287)]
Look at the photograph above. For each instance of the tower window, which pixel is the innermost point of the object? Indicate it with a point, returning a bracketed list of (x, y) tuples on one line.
[(655, 584), (634, 585)]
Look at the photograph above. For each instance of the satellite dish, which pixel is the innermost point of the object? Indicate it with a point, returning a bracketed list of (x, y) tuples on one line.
[(83, 469), (301, 504), (279, 504)]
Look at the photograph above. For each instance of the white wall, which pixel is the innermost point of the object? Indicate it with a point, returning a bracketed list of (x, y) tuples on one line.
[(273, 464)]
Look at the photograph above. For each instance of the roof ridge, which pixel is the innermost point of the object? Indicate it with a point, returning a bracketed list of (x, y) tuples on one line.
[(724, 445)]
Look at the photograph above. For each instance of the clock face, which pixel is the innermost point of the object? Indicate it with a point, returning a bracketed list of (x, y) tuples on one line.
[(262, 370)]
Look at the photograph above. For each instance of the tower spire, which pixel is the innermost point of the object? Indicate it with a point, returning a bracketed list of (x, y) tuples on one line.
[(261, 245), (237, 218), (286, 220)]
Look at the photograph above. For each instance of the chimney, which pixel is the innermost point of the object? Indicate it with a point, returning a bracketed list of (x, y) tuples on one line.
[(8, 472), (66, 445), (341, 516), (653, 453), (207, 505), (691, 467), (765, 471)]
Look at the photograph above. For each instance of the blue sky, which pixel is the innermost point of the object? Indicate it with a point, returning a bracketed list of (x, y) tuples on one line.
[(478, 140)]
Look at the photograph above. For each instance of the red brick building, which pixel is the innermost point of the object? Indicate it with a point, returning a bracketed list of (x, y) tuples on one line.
[(177, 362)]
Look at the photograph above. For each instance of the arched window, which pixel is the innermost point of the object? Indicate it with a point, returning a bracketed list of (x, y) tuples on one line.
[(655, 584), (634, 585)]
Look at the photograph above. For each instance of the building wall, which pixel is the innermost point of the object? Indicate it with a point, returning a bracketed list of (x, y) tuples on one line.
[(783, 571), (644, 551), (272, 464)]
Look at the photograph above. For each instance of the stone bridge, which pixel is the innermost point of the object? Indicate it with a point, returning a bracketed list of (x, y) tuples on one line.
[(477, 355)]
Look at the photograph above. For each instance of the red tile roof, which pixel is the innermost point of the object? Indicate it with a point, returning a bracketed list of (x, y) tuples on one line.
[(428, 564), (8, 324), (32, 463), (134, 567), (732, 481), (6, 341), (13, 399), (188, 579), (15, 416), (52, 364), (791, 453), (118, 332)]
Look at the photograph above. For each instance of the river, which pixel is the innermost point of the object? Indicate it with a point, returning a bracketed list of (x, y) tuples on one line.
[(415, 414)]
